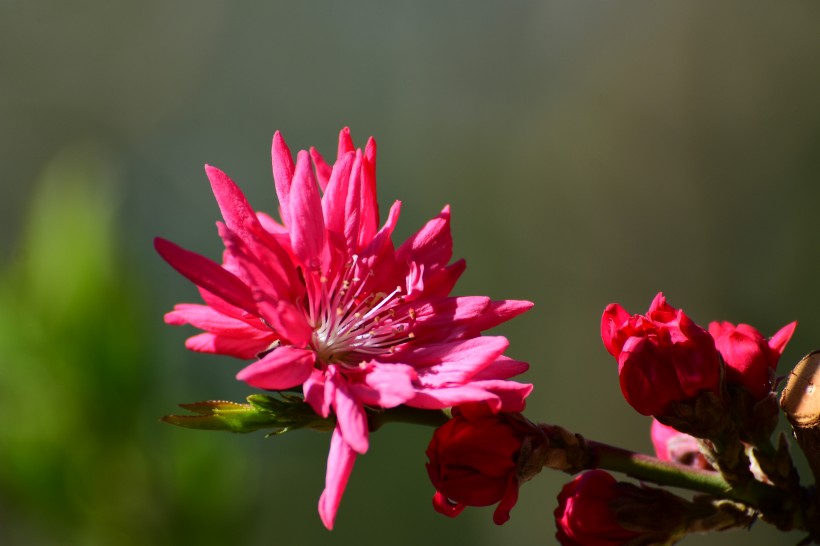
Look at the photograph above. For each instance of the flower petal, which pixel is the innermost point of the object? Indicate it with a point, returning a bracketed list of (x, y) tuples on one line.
[(210, 320), (339, 466), (454, 396), (503, 368), (350, 416), (353, 204), (432, 245), (280, 369), (369, 221), (333, 201), (781, 338), (385, 385), (613, 319), (207, 274), (288, 321), (455, 362), (345, 143), (446, 507), (318, 392), (282, 163), (323, 170), (232, 203), (502, 511), (307, 228), (241, 347)]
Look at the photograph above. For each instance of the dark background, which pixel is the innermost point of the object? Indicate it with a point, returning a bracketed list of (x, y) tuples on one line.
[(592, 152)]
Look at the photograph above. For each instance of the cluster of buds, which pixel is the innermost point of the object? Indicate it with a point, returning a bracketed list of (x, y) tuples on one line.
[(711, 393)]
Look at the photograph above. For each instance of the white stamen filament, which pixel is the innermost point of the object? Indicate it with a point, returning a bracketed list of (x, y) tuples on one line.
[(350, 324)]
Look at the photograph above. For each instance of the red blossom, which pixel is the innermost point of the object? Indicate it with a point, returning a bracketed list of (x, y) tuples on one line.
[(474, 460), (750, 358), (663, 356), (584, 516), (325, 301)]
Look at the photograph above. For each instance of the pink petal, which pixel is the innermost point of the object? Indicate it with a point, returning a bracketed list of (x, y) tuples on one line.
[(432, 245), (333, 201), (350, 416), (232, 202), (453, 363), (779, 341), (207, 274), (339, 466), (275, 258), (382, 239), (282, 368), (307, 228), (503, 368), (442, 282), (206, 318), (323, 170), (369, 205), (318, 392), (218, 304), (455, 396), (385, 385), (265, 277), (511, 394), (460, 317), (282, 163), (345, 143), (500, 311), (288, 321), (270, 225), (242, 348), (353, 204)]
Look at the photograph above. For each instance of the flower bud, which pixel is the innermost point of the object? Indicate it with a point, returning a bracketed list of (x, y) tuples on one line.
[(480, 459), (663, 356), (596, 510), (750, 358), (587, 512), (675, 446)]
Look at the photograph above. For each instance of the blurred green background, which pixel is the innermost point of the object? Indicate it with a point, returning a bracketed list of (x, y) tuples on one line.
[(592, 152)]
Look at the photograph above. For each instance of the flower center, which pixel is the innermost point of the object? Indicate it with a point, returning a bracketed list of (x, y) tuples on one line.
[(351, 323)]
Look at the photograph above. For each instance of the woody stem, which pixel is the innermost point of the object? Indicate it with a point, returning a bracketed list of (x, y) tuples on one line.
[(787, 513)]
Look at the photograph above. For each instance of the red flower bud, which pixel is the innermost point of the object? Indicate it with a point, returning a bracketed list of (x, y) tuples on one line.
[(673, 445), (475, 460), (663, 356), (585, 517), (750, 358)]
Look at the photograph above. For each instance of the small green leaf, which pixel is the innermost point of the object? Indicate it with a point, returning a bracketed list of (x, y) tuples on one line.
[(276, 414)]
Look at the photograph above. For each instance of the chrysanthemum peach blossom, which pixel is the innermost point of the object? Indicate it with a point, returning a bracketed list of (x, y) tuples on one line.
[(325, 301)]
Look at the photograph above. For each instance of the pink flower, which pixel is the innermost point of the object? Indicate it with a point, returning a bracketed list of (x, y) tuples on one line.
[(675, 446), (475, 459), (324, 300), (585, 517), (750, 358), (663, 357)]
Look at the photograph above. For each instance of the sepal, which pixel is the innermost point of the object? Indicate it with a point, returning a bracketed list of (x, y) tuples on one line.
[(262, 412)]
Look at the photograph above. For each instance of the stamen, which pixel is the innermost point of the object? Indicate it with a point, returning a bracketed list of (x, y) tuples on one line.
[(350, 323)]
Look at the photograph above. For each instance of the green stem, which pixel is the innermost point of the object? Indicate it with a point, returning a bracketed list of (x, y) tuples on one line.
[(644, 467), (405, 414)]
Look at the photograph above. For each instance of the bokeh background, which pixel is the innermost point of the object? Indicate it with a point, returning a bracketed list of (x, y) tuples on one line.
[(592, 152)]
